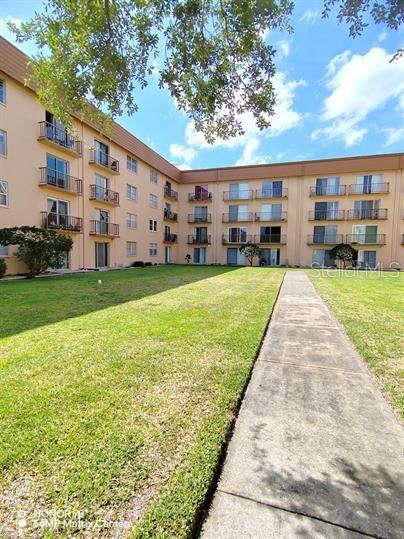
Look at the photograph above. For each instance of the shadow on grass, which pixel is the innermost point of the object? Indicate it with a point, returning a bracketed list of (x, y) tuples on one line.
[(33, 303)]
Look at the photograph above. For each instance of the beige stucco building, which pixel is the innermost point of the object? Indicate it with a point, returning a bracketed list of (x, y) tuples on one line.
[(120, 201)]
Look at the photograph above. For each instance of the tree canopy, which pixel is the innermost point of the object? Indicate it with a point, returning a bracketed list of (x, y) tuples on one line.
[(211, 55), (250, 251)]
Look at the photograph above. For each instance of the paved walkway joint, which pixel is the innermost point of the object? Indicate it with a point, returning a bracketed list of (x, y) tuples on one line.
[(316, 451)]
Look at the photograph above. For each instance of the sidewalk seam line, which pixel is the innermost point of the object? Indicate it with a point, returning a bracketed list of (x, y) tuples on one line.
[(277, 362)]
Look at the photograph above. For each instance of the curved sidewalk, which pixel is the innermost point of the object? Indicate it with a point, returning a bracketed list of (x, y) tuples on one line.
[(316, 451)]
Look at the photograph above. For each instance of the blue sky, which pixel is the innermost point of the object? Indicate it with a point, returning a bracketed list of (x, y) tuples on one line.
[(337, 96)]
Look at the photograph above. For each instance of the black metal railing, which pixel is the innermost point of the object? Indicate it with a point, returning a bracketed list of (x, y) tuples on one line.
[(246, 194), (55, 178), (270, 238), (170, 215), (325, 239), (170, 238), (200, 197), (375, 239), (58, 221), (369, 189), (99, 157), (371, 214), (327, 215), (274, 216), (198, 239), (195, 218), (104, 228), (228, 239), (275, 192), (105, 195), (170, 193), (241, 217), (327, 190), (59, 136)]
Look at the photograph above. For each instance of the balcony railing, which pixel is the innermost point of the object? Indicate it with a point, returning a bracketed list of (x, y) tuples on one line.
[(375, 239), (240, 195), (270, 238), (271, 193), (105, 195), (61, 137), (372, 189), (54, 178), (370, 214), (170, 215), (265, 216), (234, 239), (328, 190), (104, 228), (325, 239), (198, 240), (200, 197), (327, 215), (239, 218), (170, 238), (194, 218), (170, 193), (58, 221), (98, 157)]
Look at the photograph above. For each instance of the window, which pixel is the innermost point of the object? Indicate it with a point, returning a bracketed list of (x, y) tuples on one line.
[(370, 183), (367, 259), (153, 201), (131, 192), (200, 255), (131, 248), (321, 257), (3, 142), (153, 249), (131, 220), (101, 153), (152, 225), (272, 189), (325, 234), (3, 193), (239, 191), (327, 186), (131, 163), (3, 250), (2, 91), (57, 172), (154, 176)]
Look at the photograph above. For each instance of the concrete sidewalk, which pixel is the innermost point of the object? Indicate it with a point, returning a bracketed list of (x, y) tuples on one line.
[(316, 451)]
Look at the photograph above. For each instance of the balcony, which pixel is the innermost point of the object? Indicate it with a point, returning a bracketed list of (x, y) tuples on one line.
[(366, 239), (170, 238), (170, 216), (198, 240), (58, 221), (193, 218), (328, 191), (57, 180), (59, 137), (103, 228), (327, 215), (325, 239), (104, 161), (241, 195), (244, 217), (373, 189), (271, 193), (266, 217), (237, 239), (279, 239), (367, 214), (104, 195), (170, 193), (200, 197)]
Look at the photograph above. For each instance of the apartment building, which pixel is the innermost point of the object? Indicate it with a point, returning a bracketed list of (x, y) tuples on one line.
[(121, 201)]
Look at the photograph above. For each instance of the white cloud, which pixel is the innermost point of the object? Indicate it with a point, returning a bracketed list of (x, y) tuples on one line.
[(394, 135), (280, 155), (183, 152), (359, 84), (250, 155), (309, 16), (382, 36), (283, 48), (4, 31)]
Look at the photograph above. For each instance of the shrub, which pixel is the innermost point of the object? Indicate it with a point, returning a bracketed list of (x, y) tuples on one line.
[(137, 264), (3, 267), (149, 264)]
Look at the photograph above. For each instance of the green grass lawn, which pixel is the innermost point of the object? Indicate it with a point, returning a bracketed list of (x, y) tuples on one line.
[(115, 398), (371, 307)]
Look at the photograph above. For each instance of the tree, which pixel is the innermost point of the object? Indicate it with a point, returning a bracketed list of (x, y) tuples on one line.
[(345, 253), (3, 267), (250, 251), (210, 54), (38, 249)]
